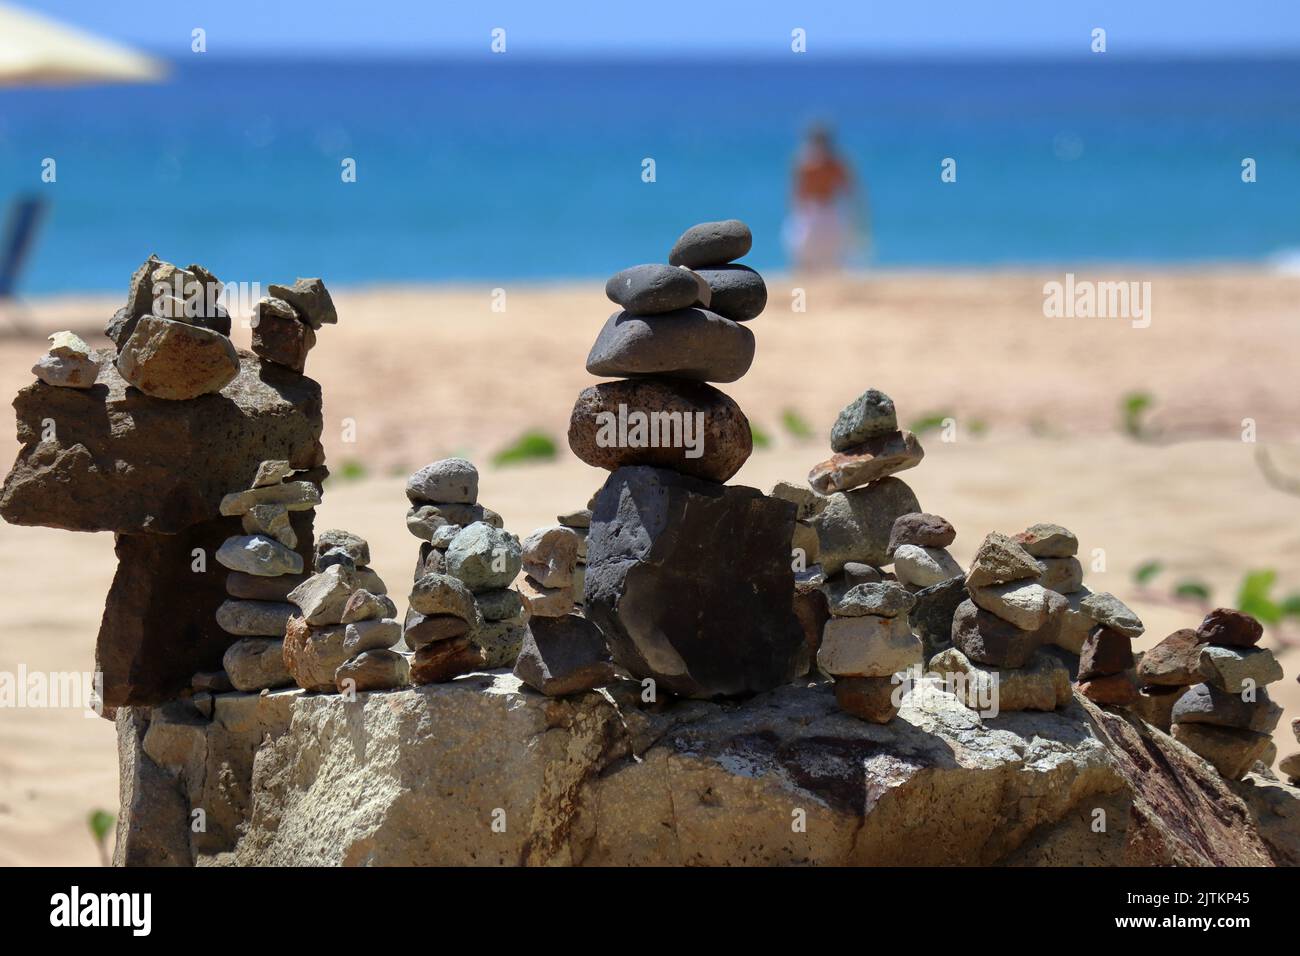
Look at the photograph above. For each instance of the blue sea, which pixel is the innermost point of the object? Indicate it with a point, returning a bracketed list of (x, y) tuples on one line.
[(498, 168)]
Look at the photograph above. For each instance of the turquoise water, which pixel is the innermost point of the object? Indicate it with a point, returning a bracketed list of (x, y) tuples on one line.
[(497, 168)]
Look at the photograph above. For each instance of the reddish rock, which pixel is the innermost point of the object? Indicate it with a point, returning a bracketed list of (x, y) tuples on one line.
[(1228, 628), (923, 530), (442, 661), (1115, 689), (1105, 652), (1174, 662), (874, 459), (279, 337), (618, 424), (868, 698), (169, 359), (987, 639)]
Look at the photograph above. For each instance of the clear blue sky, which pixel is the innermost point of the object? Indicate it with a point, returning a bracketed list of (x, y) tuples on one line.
[(558, 27)]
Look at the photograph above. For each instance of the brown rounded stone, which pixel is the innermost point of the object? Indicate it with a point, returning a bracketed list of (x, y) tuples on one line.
[(1228, 628), (1105, 652), (165, 358), (987, 639), (648, 421), (442, 661), (923, 530), (1116, 689), (1174, 662), (869, 698)]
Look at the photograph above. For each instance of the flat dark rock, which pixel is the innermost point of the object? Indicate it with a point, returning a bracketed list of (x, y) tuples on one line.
[(691, 584), (987, 639), (931, 616), (652, 289), (689, 343), (738, 292), (711, 244), (563, 655)]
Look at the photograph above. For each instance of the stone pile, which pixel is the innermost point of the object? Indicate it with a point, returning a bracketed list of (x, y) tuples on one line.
[(579, 522), (285, 322), (1290, 765), (465, 541), (263, 566), (1164, 674), (342, 636), (1106, 664), (1228, 718), (997, 632), (688, 579), (865, 643)]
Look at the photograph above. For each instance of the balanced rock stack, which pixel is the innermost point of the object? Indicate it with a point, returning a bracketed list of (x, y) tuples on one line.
[(866, 642), (484, 559), (918, 547), (1106, 665), (861, 499), (1056, 550), (579, 522), (1164, 674), (173, 335), (342, 636), (688, 579), (285, 323), (997, 632), (1229, 719), (263, 565)]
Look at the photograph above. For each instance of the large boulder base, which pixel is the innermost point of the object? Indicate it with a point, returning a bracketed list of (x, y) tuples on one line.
[(419, 776), (690, 582), (121, 461)]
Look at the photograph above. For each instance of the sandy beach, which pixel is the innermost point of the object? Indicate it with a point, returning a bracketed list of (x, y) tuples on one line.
[(415, 374)]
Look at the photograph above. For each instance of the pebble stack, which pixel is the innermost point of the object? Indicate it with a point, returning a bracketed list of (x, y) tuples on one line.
[(1106, 664), (1228, 718), (285, 322), (444, 506), (688, 578), (1164, 674), (342, 637), (172, 346), (998, 630), (264, 566), (865, 643), (579, 522)]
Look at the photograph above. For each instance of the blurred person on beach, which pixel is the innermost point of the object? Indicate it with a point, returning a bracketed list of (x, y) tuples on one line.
[(828, 216)]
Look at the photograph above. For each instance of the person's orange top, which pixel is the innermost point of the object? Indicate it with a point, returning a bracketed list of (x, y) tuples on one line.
[(820, 179)]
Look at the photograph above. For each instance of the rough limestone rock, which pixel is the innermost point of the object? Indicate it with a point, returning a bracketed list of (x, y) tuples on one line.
[(171, 359), (1026, 604), (122, 461), (854, 526), (1000, 560), (1107, 609), (256, 663), (1048, 541), (1230, 751), (413, 777), (1042, 684), (691, 583), (312, 655), (448, 481), (1062, 575), (868, 647), (687, 426), (1203, 704), (1234, 669)]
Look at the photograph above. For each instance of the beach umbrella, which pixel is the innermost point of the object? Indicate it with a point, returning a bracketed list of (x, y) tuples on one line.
[(38, 51)]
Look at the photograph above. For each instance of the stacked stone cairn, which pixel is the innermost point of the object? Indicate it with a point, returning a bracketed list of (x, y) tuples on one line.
[(563, 653), (579, 522), (689, 579), (285, 322), (1228, 718), (998, 630), (1164, 674), (342, 637), (1107, 672), (263, 567), (918, 547), (865, 644), (463, 614)]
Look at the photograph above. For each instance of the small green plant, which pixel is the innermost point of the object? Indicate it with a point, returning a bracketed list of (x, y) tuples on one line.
[(760, 438), (1133, 409), (352, 470), (1143, 574), (929, 423), (101, 825), (530, 446), (1192, 590), (977, 427), (1253, 597), (795, 424)]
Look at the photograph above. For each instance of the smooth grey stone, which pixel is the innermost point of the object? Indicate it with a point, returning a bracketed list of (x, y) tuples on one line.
[(255, 618), (690, 343), (449, 481), (484, 557), (651, 289), (736, 292), (260, 555), (711, 244), (1205, 704), (499, 604), (882, 599)]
